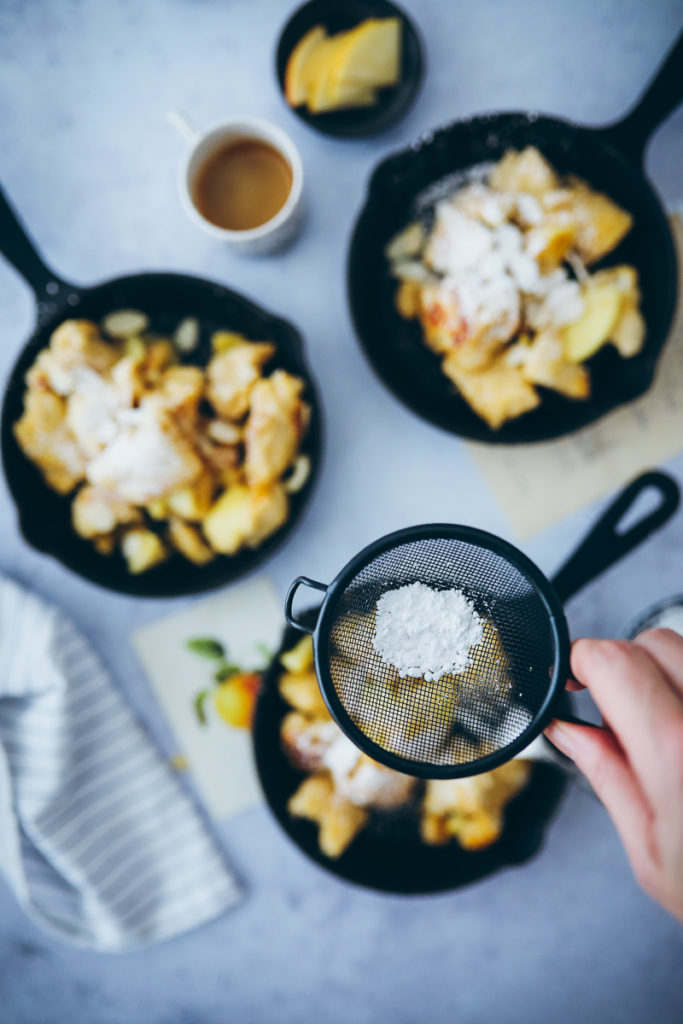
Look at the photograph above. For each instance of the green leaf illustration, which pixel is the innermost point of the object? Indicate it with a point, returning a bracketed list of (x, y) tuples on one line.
[(206, 647), (226, 671), (199, 702)]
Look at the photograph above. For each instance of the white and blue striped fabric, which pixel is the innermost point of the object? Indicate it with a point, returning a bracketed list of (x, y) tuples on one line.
[(98, 840)]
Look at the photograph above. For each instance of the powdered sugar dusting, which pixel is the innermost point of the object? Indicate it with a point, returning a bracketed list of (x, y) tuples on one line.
[(426, 633), (361, 780), (491, 269), (147, 457)]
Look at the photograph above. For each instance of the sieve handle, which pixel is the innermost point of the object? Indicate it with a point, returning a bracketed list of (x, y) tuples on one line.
[(289, 601), (606, 543)]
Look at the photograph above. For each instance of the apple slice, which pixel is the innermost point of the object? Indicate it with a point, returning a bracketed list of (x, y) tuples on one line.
[(370, 55), (583, 338), (296, 72), (321, 96), (349, 96), (317, 71)]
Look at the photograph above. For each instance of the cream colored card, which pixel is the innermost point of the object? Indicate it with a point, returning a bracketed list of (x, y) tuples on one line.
[(246, 621), (536, 485)]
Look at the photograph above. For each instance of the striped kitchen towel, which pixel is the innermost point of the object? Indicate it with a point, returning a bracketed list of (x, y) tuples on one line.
[(98, 840)]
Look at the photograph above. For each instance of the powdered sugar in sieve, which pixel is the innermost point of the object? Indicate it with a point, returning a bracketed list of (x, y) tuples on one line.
[(426, 633)]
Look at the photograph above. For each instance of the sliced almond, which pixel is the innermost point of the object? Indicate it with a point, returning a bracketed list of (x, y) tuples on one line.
[(412, 270), (125, 323), (406, 243), (299, 476), (224, 433), (186, 334)]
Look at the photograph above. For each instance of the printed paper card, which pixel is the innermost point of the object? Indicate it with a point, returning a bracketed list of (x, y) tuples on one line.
[(203, 664)]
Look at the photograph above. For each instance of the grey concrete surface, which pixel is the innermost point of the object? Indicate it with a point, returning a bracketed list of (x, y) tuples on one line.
[(88, 160)]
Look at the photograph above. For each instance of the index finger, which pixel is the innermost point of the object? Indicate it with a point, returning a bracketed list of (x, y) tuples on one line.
[(637, 701), (666, 648)]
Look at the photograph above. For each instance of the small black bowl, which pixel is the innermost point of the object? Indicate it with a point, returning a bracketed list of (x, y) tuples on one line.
[(337, 16), (388, 855)]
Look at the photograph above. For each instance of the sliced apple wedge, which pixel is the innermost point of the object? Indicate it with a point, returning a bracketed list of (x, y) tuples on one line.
[(370, 55), (336, 72), (349, 96), (317, 73), (297, 71), (583, 338), (324, 93)]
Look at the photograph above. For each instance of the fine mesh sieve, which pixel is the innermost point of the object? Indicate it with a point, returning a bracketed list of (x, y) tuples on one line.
[(472, 721), (460, 722)]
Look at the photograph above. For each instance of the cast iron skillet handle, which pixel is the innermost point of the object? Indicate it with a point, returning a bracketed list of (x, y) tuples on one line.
[(660, 99), (17, 247), (605, 544), (289, 601)]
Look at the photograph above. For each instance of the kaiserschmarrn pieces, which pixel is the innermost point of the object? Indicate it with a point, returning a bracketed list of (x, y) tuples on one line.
[(276, 423), (306, 739), (148, 458), (45, 436), (77, 344), (244, 517), (338, 819), (500, 285), (497, 392), (233, 373), (471, 809), (301, 691), (343, 789), (142, 549), (188, 540), (171, 457), (96, 512)]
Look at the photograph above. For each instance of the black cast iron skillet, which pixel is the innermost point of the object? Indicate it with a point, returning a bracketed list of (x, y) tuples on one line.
[(388, 855), (608, 158), (44, 517)]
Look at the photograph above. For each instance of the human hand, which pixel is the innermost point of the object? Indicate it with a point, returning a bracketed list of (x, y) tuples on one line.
[(635, 763)]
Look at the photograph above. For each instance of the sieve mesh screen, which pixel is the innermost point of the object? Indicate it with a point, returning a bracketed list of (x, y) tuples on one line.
[(461, 718)]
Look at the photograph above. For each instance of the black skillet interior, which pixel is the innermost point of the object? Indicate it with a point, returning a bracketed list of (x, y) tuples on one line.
[(44, 516), (389, 855), (337, 16), (394, 346)]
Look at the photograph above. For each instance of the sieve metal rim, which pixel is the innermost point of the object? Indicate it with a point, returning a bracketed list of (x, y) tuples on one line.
[(444, 531)]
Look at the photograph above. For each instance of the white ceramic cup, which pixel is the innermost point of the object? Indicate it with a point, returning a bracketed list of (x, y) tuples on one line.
[(277, 232)]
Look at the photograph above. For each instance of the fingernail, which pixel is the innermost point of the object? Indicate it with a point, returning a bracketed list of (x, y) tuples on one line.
[(561, 736)]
